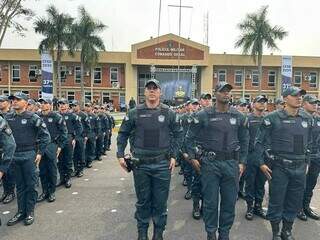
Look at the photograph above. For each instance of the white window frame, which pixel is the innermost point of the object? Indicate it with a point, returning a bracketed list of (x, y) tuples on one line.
[(270, 74), (95, 71), (87, 95), (297, 74), (247, 97), (17, 78), (254, 73), (107, 96), (71, 95), (33, 68), (63, 73), (114, 70), (237, 73), (77, 80), (313, 85), (220, 73)]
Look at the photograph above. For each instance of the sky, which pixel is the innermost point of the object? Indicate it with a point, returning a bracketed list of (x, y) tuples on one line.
[(133, 21)]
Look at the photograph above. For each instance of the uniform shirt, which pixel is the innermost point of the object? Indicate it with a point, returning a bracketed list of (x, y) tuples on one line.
[(95, 124), (85, 121), (213, 132), (29, 131), (105, 123), (56, 127), (128, 130), (273, 123), (7, 145), (74, 125)]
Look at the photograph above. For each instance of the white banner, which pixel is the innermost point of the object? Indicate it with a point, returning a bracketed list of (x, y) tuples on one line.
[(286, 72)]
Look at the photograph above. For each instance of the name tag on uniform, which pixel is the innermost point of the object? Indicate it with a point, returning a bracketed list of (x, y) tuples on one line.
[(289, 121), (145, 115), (24, 121), (50, 120), (215, 119)]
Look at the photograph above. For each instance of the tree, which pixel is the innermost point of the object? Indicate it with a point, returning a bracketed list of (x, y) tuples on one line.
[(257, 33), (10, 12), (88, 42), (57, 29)]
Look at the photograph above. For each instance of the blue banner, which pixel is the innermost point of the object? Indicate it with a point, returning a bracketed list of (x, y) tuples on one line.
[(47, 75), (286, 72)]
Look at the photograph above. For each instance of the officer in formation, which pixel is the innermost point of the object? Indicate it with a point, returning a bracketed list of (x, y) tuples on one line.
[(223, 137), (285, 137), (9, 177), (154, 131), (7, 148), (32, 137)]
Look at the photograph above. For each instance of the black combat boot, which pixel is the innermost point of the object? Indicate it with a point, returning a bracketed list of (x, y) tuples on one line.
[(157, 234), (211, 236), (302, 216), (249, 213), (259, 211), (311, 213), (143, 235), (286, 233), (275, 230), (196, 214)]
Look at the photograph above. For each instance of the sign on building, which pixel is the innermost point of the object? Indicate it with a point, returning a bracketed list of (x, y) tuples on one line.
[(47, 75), (286, 72)]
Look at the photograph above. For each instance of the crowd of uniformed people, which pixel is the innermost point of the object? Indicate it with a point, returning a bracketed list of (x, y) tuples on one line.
[(39, 142), (226, 151)]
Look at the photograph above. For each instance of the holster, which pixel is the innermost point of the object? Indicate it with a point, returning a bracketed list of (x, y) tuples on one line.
[(131, 162)]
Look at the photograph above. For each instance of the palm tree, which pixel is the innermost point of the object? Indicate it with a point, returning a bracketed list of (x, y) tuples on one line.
[(57, 31), (257, 33), (88, 42)]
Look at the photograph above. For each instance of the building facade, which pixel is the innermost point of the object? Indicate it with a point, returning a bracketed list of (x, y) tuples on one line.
[(183, 67)]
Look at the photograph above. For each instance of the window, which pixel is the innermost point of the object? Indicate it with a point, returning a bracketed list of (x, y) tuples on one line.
[(297, 78), (0, 72), (105, 97), (272, 78), (15, 73), (313, 79), (222, 75), (247, 97), (26, 92), (255, 78), (77, 74), (33, 73), (70, 96), (238, 77), (97, 75), (5, 92), (63, 73), (87, 95), (114, 74)]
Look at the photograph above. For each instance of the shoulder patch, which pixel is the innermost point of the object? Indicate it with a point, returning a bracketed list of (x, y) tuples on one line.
[(267, 122), (43, 125), (38, 122), (8, 131)]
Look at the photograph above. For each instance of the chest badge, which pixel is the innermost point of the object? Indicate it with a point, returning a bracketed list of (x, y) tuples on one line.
[(304, 124), (66, 117), (24, 121), (161, 118), (50, 120), (233, 121)]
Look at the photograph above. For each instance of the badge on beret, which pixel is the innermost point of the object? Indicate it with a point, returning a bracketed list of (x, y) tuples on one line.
[(304, 124), (233, 121), (50, 120), (267, 122), (161, 118), (24, 121)]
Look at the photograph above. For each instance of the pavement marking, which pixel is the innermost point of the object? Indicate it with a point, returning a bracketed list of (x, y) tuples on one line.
[(173, 202), (6, 212), (178, 224), (122, 179), (118, 192), (86, 179), (96, 169), (59, 211), (114, 210), (75, 193)]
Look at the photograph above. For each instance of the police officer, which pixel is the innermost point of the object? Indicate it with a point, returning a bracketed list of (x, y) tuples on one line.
[(75, 129), (100, 136), (287, 134), (310, 106), (205, 100), (79, 150), (92, 135), (48, 165), (9, 178), (154, 130), (32, 106), (255, 179), (7, 147), (112, 123), (279, 104), (32, 137), (223, 136), (106, 128)]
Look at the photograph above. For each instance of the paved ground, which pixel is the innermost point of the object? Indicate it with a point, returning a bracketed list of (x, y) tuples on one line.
[(100, 206)]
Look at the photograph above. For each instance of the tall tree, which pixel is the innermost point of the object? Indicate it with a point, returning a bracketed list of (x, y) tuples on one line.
[(57, 30), (257, 33), (10, 13), (87, 41)]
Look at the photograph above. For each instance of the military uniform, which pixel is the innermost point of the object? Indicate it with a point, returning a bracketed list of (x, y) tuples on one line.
[(48, 165), (223, 138), (32, 137), (155, 137), (288, 138), (112, 125), (100, 136), (92, 136)]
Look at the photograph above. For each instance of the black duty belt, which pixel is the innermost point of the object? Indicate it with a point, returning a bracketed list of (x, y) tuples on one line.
[(25, 149), (216, 155), (151, 160)]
